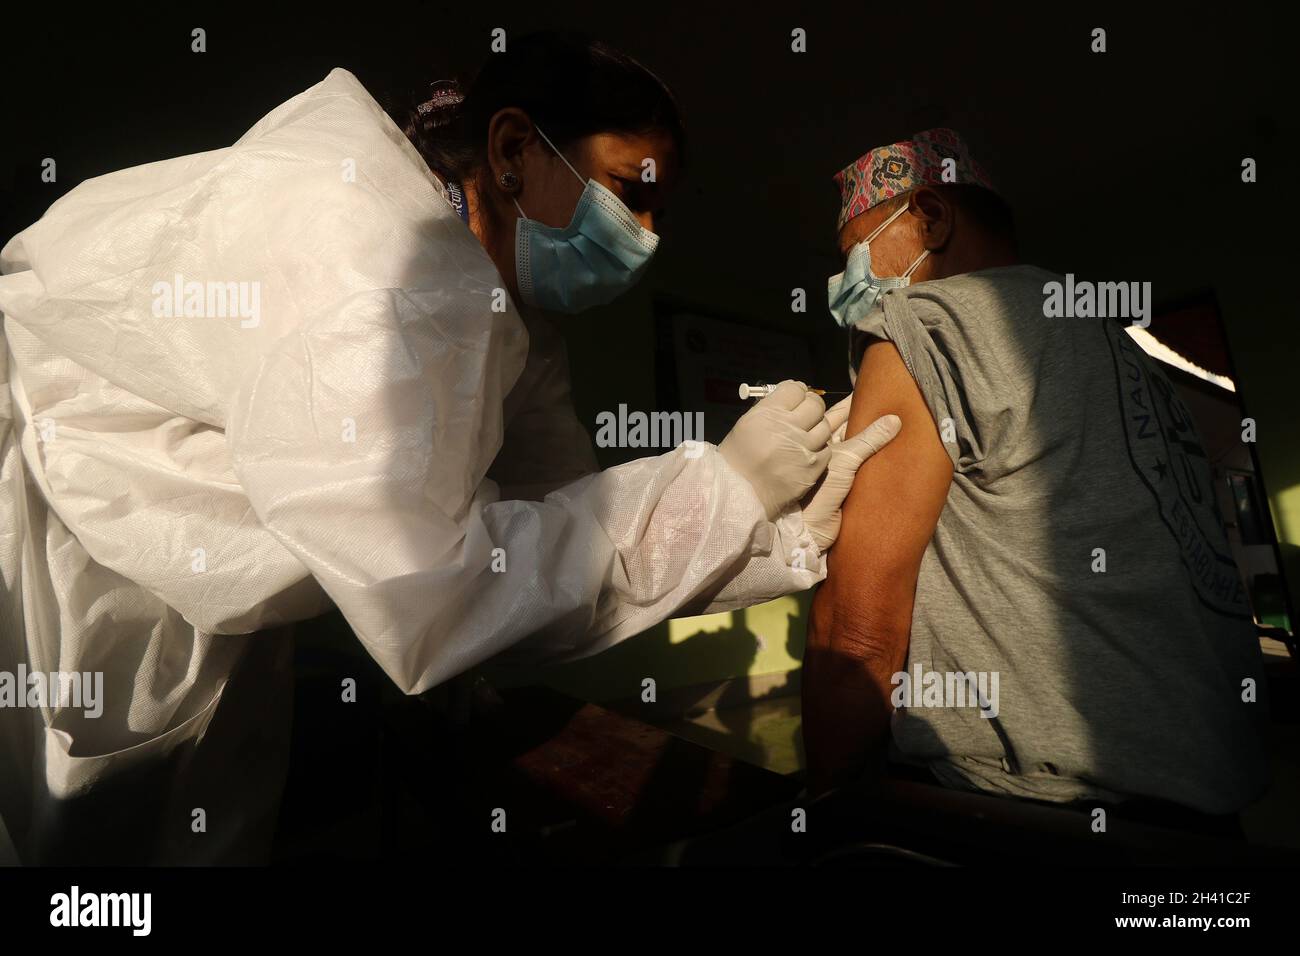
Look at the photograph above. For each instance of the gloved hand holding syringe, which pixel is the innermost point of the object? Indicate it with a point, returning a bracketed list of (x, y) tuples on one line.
[(790, 442)]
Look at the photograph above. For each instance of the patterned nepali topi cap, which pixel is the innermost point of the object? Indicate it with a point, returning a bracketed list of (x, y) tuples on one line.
[(886, 171)]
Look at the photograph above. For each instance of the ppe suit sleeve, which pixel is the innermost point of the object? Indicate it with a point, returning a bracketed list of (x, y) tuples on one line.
[(434, 571)]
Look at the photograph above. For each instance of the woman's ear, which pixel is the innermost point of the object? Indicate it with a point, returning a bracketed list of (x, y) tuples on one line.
[(936, 213), (510, 132)]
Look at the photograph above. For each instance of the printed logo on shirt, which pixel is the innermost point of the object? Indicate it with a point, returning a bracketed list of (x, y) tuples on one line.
[(1167, 455)]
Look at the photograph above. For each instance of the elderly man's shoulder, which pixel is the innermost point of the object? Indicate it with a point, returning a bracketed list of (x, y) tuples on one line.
[(1009, 298), (1016, 284)]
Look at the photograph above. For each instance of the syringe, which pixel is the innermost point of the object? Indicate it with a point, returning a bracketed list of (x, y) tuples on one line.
[(762, 391)]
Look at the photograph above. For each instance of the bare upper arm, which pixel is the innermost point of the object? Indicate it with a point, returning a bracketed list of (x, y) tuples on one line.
[(892, 510)]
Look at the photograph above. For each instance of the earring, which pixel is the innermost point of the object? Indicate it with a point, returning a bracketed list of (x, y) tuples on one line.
[(509, 180)]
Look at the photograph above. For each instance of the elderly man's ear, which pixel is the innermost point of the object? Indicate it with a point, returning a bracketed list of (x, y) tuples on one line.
[(937, 215)]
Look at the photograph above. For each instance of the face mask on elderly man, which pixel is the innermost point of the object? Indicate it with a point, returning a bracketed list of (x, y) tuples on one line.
[(853, 293)]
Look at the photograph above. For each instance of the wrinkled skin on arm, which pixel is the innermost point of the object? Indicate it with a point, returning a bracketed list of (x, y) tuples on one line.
[(862, 615)]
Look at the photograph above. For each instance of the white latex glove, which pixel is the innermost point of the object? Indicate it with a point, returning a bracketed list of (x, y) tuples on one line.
[(822, 514), (780, 445)]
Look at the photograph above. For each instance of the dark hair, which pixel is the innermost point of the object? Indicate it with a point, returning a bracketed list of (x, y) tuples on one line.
[(569, 85), (986, 208)]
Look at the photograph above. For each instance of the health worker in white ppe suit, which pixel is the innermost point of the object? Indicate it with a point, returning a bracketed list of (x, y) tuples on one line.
[(316, 369)]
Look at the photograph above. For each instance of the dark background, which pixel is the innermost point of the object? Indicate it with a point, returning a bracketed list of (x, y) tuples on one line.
[(1120, 166)]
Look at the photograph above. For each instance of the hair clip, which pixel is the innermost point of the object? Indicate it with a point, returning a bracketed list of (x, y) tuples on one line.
[(443, 94)]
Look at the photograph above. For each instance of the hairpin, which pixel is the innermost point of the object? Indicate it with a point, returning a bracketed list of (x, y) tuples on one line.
[(442, 95)]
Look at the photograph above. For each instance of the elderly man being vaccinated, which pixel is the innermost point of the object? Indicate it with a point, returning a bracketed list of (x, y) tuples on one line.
[(969, 625)]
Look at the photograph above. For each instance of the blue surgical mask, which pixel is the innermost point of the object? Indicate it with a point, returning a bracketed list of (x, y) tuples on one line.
[(853, 293), (599, 255)]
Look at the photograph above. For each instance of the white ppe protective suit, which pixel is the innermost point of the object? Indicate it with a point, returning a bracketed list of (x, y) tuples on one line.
[(243, 385)]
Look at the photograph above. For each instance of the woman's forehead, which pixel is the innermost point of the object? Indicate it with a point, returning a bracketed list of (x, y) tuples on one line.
[(655, 144)]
